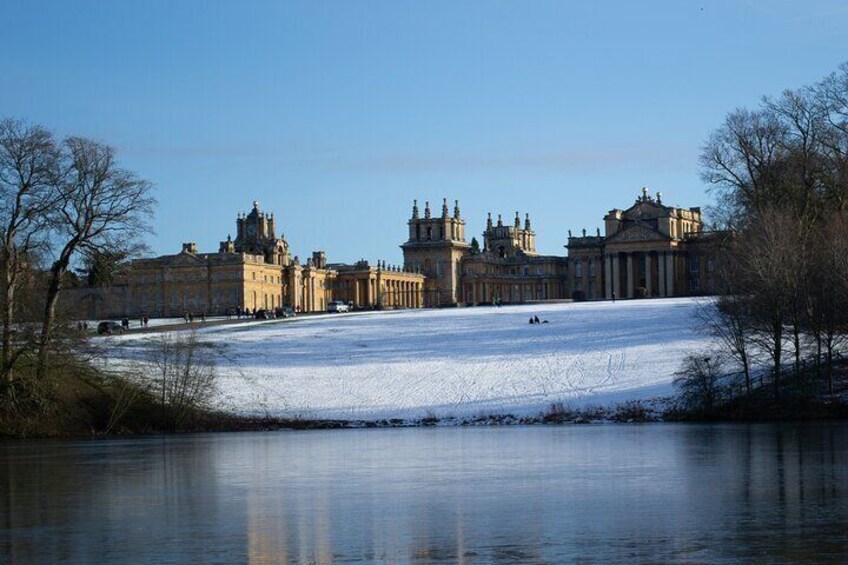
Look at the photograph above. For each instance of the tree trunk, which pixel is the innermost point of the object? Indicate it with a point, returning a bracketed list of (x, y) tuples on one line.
[(777, 337), (57, 273), (10, 280), (796, 340), (829, 349)]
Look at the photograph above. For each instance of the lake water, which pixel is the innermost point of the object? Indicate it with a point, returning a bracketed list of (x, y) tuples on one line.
[(593, 494)]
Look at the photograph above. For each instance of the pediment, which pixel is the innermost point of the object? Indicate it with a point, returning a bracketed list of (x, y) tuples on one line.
[(637, 231), (184, 259)]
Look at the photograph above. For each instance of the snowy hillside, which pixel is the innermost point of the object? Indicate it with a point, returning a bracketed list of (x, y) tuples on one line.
[(458, 362)]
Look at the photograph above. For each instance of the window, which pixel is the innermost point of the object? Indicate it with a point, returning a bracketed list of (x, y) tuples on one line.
[(591, 268), (694, 264), (578, 268), (694, 284)]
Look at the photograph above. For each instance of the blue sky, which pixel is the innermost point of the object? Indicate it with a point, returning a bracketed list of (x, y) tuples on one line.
[(336, 115)]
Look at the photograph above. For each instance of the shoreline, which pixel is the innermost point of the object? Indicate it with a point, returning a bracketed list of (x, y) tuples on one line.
[(628, 413)]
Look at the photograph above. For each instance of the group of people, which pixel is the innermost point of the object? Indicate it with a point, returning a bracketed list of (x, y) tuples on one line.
[(189, 317), (535, 320)]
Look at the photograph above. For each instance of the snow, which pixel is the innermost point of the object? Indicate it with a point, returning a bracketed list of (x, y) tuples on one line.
[(461, 363)]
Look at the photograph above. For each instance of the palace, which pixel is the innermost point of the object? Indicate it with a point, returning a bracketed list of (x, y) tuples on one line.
[(647, 250)]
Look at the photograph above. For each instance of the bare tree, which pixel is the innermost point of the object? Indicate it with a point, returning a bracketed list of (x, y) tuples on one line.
[(699, 381), (828, 293), (780, 174), (102, 208), (739, 163), (186, 369), (28, 176), (832, 97), (728, 319)]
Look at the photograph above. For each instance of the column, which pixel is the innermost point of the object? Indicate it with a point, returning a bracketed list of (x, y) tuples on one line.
[(355, 282), (669, 273), (616, 275), (649, 275), (630, 293), (608, 277), (661, 274)]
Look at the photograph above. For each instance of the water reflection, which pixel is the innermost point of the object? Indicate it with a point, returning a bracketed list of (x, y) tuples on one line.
[(530, 495)]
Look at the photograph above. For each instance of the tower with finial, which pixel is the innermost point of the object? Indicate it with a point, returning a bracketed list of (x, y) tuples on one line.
[(435, 247), (509, 241)]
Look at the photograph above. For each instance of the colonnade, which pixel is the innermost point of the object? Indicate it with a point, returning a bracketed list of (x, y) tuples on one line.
[(513, 292), (401, 294), (659, 265)]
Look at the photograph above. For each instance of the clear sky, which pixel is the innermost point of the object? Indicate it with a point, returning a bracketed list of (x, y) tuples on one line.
[(335, 115)]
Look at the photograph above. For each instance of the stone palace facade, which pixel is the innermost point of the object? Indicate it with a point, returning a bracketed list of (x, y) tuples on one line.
[(647, 250)]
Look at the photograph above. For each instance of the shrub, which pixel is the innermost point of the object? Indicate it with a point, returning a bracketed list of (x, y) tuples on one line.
[(699, 382)]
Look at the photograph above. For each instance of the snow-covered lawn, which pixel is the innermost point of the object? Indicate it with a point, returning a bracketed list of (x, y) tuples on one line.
[(456, 362)]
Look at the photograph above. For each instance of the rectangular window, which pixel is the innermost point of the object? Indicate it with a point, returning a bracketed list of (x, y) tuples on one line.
[(694, 264), (694, 284)]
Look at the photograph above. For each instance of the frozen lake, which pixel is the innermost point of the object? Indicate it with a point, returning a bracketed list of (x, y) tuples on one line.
[(457, 363), (599, 494)]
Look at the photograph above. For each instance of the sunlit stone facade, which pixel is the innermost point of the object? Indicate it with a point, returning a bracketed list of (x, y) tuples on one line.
[(253, 272), (647, 250)]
